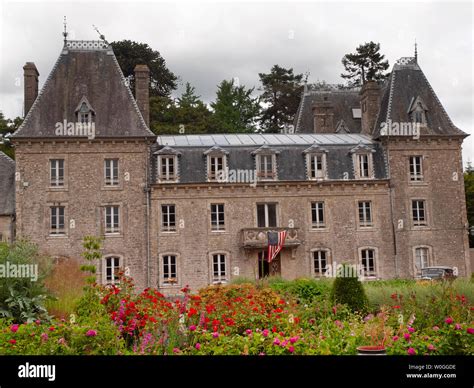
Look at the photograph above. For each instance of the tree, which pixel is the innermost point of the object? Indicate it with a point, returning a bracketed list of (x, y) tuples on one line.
[(187, 114), (281, 96), (366, 64), (8, 126), (235, 110), (469, 189), (129, 54)]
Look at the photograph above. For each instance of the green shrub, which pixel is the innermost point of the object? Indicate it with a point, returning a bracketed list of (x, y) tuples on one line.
[(22, 299), (349, 291), (305, 290)]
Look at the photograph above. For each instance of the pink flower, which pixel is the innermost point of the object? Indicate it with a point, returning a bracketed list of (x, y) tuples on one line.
[(38, 322), (435, 328), (406, 336), (44, 337), (215, 334), (395, 338), (14, 328), (61, 341), (293, 339), (448, 320), (248, 331), (192, 327), (411, 351), (431, 347), (284, 343), (176, 350), (291, 349), (265, 333), (411, 329), (261, 354), (91, 333), (470, 330), (198, 346), (457, 326), (276, 341)]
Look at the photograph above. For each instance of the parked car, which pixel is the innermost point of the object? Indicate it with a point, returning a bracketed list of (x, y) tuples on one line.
[(437, 273)]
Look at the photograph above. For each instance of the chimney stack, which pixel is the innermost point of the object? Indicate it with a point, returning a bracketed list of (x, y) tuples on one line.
[(323, 115), (30, 74), (142, 82), (370, 104)]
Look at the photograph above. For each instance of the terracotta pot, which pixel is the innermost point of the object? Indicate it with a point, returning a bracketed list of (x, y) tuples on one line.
[(371, 351)]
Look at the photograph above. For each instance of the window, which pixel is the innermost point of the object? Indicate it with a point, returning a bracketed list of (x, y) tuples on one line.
[(419, 213), (111, 172), (418, 113), (215, 166), (368, 262), (363, 165), (112, 219), (416, 168), (320, 260), (217, 217), (317, 215), (112, 268), (421, 259), (266, 215), (219, 271), (170, 272), (317, 166), (57, 172), (84, 114), (266, 167), (57, 220), (167, 168), (365, 214), (168, 218)]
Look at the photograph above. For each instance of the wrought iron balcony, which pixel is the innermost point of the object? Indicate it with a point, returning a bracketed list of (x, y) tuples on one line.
[(257, 237)]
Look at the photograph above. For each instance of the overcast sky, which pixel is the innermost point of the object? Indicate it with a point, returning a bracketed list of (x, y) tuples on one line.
[(204, 43)]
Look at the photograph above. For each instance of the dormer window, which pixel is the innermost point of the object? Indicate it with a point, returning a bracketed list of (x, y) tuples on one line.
[(266, 163), (84, 112), (417, 111), (216, 164), (316, 166), (167, 159), (363, 161)]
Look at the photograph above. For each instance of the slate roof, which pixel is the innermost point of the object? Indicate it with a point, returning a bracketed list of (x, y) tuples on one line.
[(290, 159), (342, 101), (85, 69), (406, 83), (7, 185)]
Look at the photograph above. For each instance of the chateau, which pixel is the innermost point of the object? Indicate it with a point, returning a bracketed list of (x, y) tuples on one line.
[(370, 176)]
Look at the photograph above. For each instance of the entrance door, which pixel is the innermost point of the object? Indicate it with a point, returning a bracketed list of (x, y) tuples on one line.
[(265, 268)]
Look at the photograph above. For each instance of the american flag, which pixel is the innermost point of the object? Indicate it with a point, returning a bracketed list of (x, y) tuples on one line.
[(276, 240)]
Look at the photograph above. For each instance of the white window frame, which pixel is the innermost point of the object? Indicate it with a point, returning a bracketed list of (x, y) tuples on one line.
[(170, 174), (220, 276), (55, 219), (219, 225), (416, 250), (166, 218), (367, 273), (112, 211), (55, 178), (327, 259), (416, 168), (365, 222), (313, 159), (316, 208), (213, 162), (169, 281), (111, 172), (266, 213), (417, 211), (266, 174), (115, 264)]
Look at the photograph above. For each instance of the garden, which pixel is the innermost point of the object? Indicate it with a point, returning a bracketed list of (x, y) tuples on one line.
[(66, 313)]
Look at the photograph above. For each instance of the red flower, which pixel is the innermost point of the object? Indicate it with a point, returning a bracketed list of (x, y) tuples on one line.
[(12, 341), (192, 311), (396, 307), (51, 328)]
